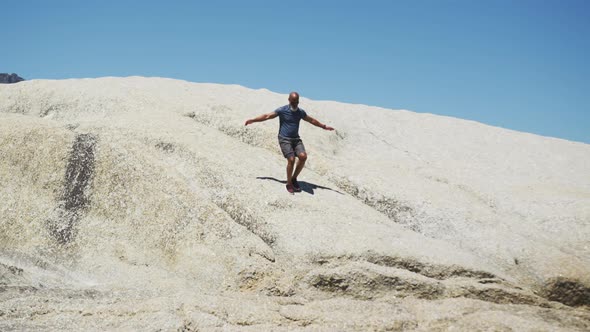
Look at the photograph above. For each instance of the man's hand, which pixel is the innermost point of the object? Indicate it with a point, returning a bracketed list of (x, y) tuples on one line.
[(248, 122), (317, 123)]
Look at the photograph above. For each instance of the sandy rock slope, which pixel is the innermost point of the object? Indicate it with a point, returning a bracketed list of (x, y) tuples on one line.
[(146, 204)]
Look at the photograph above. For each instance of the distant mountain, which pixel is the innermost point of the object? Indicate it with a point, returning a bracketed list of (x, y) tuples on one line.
[(10, 78)]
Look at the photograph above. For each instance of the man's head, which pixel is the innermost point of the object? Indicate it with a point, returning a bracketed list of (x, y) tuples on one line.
[(294, 99)]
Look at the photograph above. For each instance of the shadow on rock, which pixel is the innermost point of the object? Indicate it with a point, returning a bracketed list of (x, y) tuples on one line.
[(305, 186)]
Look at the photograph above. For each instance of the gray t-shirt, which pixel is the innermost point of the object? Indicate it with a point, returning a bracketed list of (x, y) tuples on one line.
[(289, 121)]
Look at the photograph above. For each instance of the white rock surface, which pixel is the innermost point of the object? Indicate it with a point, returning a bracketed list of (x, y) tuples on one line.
[(146, 204)]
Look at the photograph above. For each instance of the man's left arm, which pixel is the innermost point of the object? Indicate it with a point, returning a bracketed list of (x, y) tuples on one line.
[(317, 123)]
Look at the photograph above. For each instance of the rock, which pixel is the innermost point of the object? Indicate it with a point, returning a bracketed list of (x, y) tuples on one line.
[(146, 204), (10, 78)]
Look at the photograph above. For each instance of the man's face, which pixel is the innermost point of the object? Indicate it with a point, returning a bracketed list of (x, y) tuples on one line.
[(294, 100)]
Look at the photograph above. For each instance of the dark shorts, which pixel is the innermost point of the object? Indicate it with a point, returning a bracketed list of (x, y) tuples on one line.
[(291, 147)]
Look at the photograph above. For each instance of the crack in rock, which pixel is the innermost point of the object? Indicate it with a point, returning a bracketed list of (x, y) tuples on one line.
[(392, 208), (435, 271)]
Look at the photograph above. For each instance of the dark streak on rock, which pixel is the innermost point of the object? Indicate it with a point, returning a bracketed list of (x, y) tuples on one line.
[(166, 147), (75, 196), (567, 291), (435, 271)]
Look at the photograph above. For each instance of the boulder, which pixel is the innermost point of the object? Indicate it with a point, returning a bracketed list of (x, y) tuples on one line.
[(10, 78)]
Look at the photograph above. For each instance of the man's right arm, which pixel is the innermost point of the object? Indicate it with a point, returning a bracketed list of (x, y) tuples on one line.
[(262, 117)]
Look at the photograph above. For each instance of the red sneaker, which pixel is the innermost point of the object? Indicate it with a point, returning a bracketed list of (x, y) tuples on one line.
[(290, 189)]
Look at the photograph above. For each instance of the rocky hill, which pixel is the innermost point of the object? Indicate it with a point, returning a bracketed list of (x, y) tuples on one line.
[(10, 78), (146, 204)]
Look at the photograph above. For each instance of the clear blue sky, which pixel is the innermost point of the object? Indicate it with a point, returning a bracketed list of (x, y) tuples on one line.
[(517, 64)]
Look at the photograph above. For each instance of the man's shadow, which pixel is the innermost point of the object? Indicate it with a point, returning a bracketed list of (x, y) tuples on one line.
[(305, 186)]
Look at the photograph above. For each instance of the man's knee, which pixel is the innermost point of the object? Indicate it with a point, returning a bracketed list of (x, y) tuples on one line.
[(291, 159), (302, 156)]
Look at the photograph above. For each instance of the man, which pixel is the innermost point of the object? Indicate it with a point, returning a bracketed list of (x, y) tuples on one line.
[(289, 140)]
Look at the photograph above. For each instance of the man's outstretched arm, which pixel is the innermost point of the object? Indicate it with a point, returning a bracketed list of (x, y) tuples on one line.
[(317, 123), (261, 118)]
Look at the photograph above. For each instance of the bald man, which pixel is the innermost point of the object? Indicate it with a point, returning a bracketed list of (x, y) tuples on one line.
[(289, 140)]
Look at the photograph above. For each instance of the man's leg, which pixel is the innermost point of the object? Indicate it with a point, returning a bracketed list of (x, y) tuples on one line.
[(302, 155), (300, 163), (288, 152), (290, 164)]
